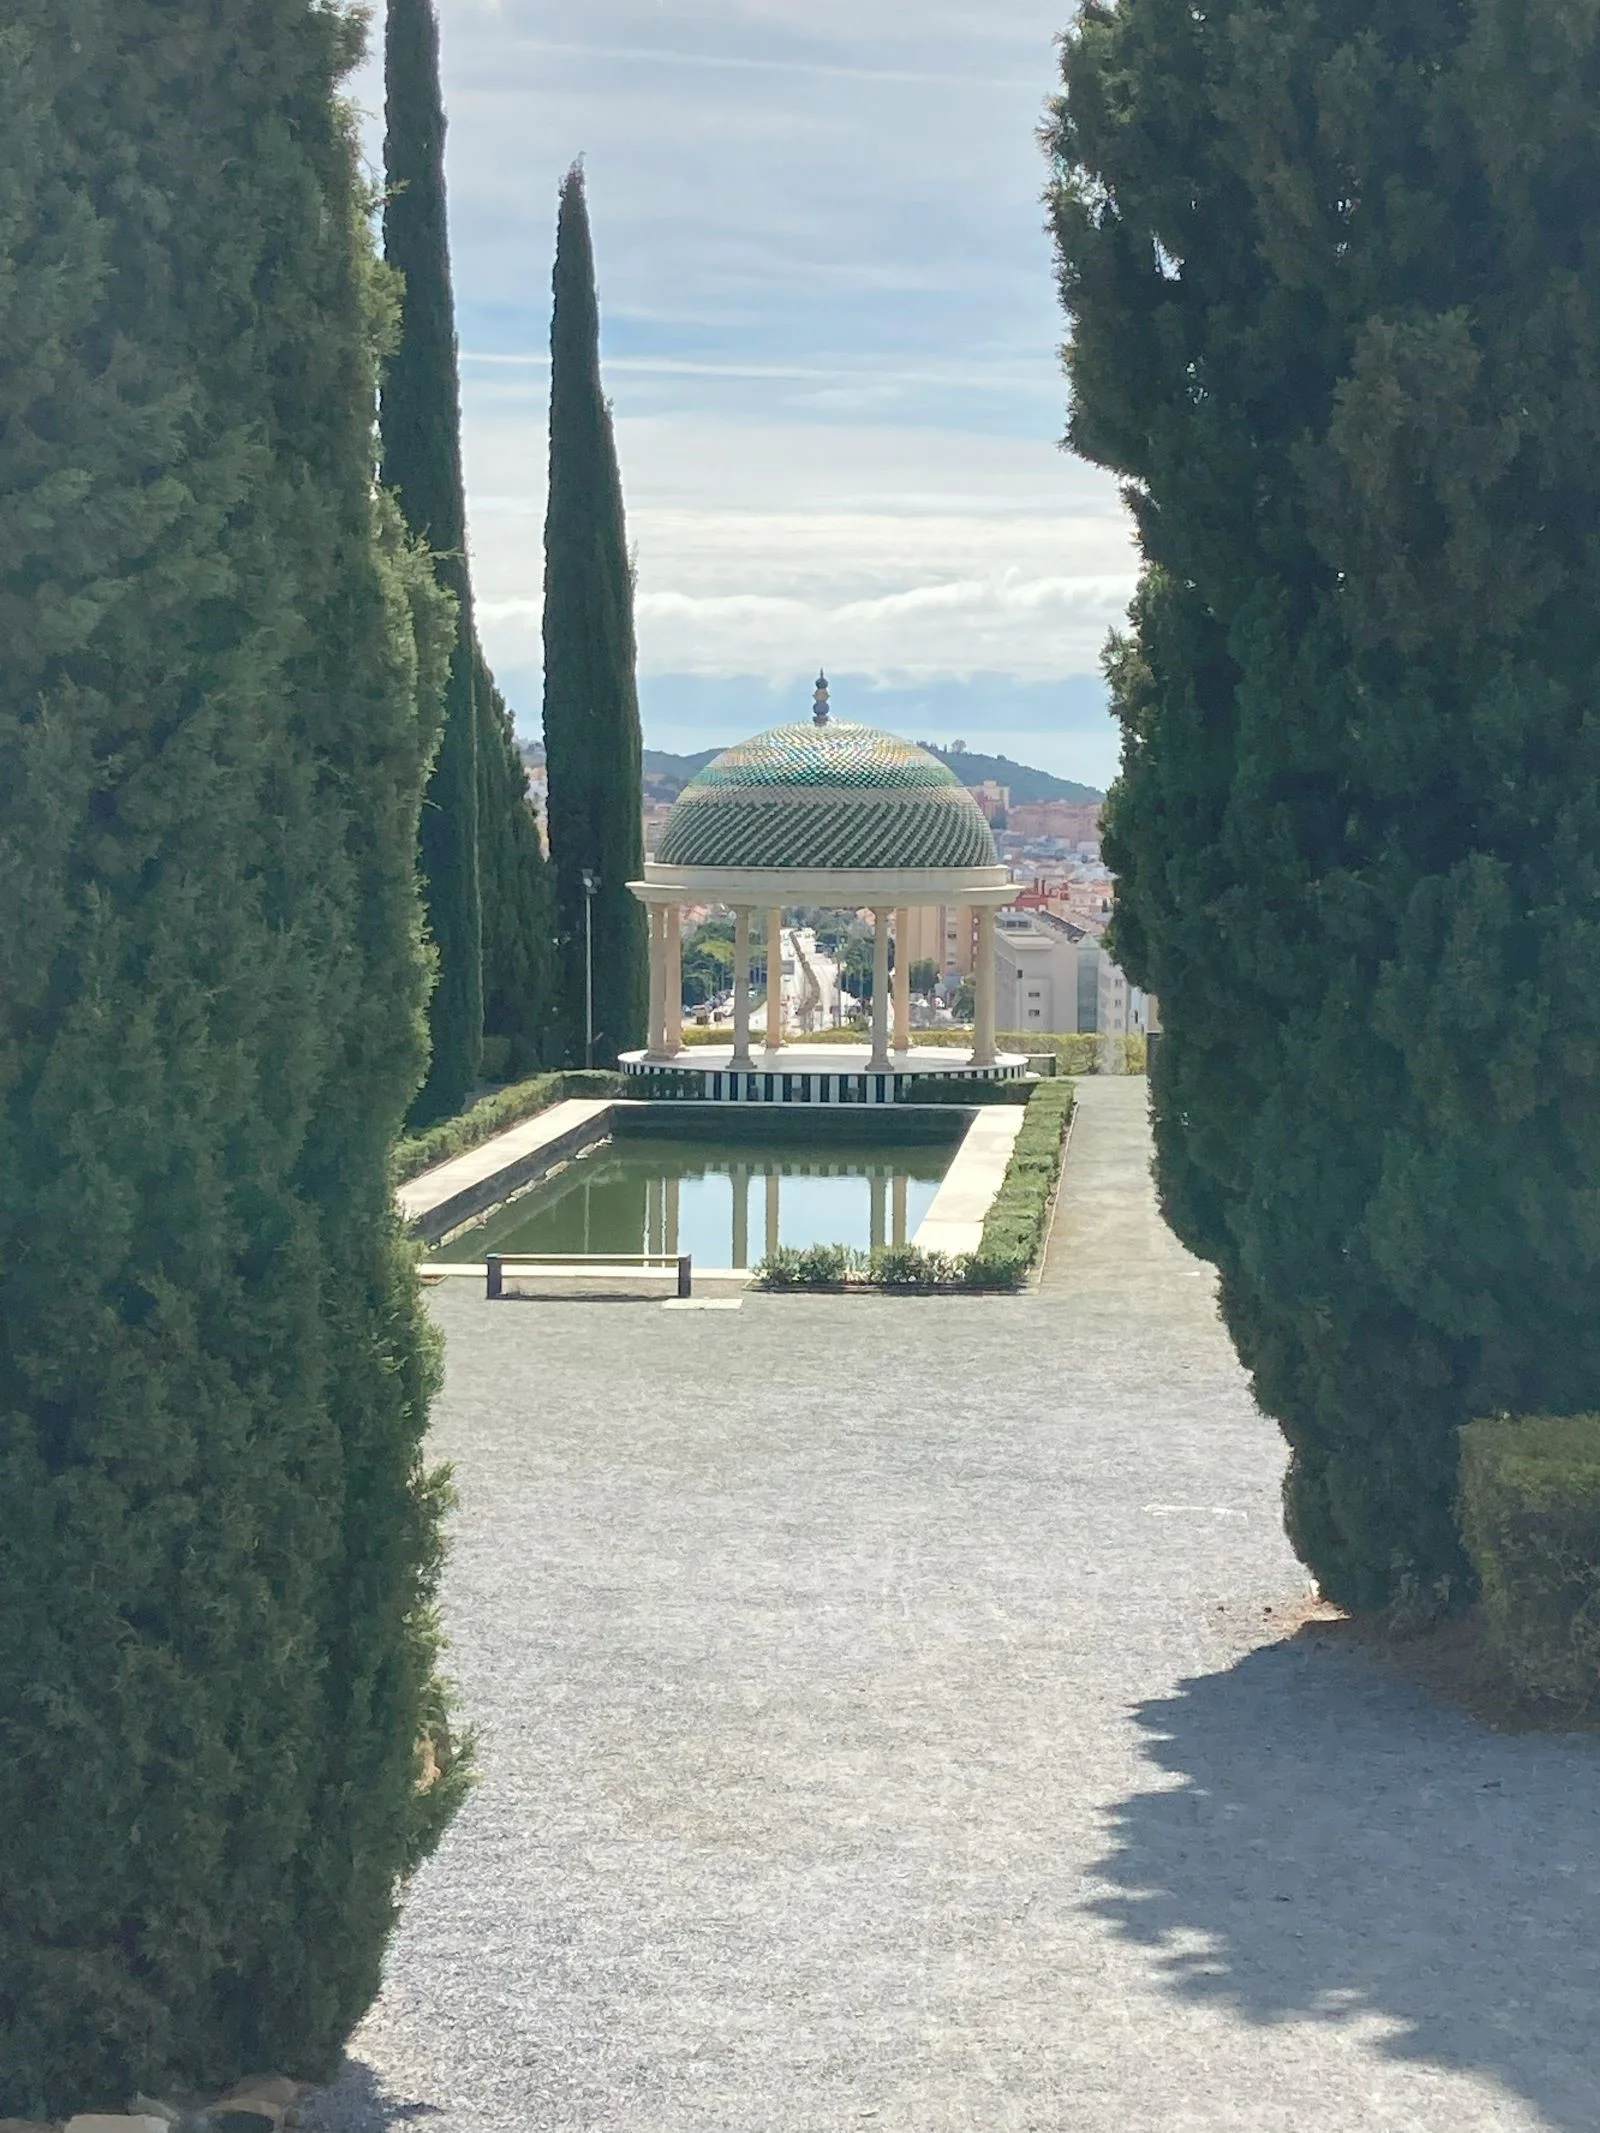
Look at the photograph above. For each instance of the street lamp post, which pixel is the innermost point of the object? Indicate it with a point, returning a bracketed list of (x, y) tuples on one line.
[(591, 882)]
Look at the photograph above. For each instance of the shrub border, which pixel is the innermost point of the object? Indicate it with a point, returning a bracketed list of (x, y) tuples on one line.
[(1014, 1229), (493, 1114), (1076, 1052)]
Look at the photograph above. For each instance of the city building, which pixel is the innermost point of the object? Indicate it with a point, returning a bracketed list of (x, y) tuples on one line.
[(1124, 1011), (1075, 824), (1047, 972)]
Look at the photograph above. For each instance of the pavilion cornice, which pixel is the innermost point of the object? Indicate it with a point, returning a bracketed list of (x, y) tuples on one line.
[(834, 888)]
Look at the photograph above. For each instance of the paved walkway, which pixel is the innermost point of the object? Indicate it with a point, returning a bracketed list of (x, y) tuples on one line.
[(884, 1725), (455, 1190)]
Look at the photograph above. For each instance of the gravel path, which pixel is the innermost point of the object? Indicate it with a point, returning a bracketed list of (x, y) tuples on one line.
[(884, 1724)]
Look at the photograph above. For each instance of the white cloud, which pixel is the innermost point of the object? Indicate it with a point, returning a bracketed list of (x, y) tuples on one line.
[(763, 549), (830, 331)]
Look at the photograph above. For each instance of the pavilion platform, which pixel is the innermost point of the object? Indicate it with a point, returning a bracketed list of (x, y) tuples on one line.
[(822, 1074)]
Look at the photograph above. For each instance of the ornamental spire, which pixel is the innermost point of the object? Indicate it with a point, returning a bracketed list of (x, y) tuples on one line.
[(819, 706)]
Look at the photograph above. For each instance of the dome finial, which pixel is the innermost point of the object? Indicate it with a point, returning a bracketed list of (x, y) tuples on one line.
[(819, 707)]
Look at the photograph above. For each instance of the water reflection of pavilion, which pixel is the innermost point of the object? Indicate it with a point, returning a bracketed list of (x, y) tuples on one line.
[(887, 1191)]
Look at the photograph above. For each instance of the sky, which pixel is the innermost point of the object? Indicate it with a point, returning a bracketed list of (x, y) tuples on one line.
[(831, 339)]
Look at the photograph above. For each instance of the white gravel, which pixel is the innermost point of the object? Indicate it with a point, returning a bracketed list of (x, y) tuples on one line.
[(883, 1726)]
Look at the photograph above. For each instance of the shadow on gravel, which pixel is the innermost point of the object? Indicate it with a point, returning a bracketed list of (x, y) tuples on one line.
[(358, 2103), (1341, 1851)]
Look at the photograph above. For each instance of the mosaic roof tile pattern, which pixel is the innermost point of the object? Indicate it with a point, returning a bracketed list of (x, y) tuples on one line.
[(839, 795)]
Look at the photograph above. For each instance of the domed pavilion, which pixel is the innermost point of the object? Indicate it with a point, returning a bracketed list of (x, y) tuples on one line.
[(834, 814)]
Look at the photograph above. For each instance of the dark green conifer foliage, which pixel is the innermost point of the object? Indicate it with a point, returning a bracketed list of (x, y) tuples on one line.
[(591, 706), (421, 431), (1334, 280), (518, 948), (218, 691)]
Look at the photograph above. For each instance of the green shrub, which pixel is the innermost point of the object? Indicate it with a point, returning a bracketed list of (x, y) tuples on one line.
[(1012, 1233), (1530, 1519), (817, 1266), (828, 1266), (940, 1089), (906, 1266), (1013, 1230), (1074, 1051), (495, 1114), (780, 1269), (992, 1270)]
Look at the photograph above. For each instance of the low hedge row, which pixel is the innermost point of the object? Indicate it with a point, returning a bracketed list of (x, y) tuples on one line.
[(900, 1266), (1529, 1507), (1013, 1231), (1074, 1051), (505, 1107)]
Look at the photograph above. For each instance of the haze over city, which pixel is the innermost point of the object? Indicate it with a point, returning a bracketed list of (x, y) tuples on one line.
[(830, 336)]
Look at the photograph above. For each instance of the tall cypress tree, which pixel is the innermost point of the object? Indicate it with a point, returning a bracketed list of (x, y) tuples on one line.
[(219, 683), (1336, 315), (591, 704), (518, 921), (422, 456), (420, 425)]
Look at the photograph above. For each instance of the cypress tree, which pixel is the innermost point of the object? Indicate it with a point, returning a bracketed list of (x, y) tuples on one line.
[(1332, 276), (518, 963), (420, 425), (591, 707), (219, 684)]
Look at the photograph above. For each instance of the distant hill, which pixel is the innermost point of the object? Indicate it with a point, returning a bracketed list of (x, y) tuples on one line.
[(1026, 784), (666, 775)]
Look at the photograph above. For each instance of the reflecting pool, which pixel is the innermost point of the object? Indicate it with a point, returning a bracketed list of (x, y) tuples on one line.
[(727, 1206)]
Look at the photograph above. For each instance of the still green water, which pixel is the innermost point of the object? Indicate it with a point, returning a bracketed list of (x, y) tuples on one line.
[(726, 1206)]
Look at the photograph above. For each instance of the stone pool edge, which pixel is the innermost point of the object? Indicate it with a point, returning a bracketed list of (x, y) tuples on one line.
[(954, 1223), (438, 1202)]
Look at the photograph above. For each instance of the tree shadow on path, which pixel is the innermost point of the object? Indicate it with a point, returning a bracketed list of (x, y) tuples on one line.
[(1340, 1849), (359, 2102)]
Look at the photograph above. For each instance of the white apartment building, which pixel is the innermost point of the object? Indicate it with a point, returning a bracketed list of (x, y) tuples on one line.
[(1124, 1011), (1046, 973)]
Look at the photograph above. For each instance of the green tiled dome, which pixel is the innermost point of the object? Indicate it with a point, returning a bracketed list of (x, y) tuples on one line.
[(832, 796)]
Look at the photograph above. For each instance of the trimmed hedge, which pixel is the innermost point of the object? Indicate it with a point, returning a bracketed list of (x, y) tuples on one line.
[(941, 1089), (900, 1267), (1013, 1229), (1530, 1519), (506, 1107), (1013, 1232), (1074, 1051)]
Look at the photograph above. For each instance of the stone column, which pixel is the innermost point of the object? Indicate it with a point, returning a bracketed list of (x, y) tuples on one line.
[(899, 1204), (670, 1245), (880, 990), (902, 981), (674, 980), (772, 1213), (741, 985), (774, 980), (983, 1052), (878, 1185), (658, 978), (741, 1215)]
